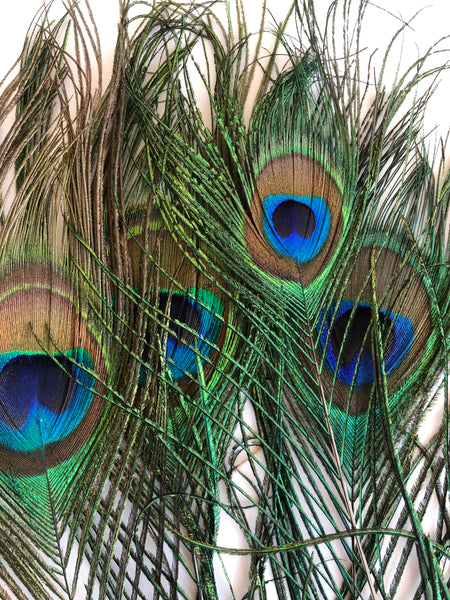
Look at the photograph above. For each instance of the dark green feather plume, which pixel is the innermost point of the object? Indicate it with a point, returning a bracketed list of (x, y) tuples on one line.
[(225, 314)]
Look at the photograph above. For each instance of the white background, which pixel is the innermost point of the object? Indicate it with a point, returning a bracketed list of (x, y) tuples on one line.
[(383, 18)]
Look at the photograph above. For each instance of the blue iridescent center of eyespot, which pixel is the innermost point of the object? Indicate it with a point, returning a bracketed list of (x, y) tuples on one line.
[(193, 327), (349, 347), (296, 226), (42, 398)]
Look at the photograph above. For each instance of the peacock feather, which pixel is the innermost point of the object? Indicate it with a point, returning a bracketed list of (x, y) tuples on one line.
[(225, 314)]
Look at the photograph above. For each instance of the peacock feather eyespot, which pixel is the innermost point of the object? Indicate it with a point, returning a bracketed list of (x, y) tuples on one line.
[(51, 372), (187, 312), (296, 218), (351, 329), (296, 226), (194, 328), (349, 351)]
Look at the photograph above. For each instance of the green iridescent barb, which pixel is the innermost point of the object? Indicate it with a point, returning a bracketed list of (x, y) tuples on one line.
[(224, 314)]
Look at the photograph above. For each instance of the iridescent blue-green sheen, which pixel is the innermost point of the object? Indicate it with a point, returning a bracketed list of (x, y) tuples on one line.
[(43, 398), (296, 226), (360, 368), (199, 310)]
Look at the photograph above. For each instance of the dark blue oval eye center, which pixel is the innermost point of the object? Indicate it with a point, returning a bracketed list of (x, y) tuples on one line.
[(27, 379), (293, 216), (350, 335), (346, 337), (182, 309), (188, 327), (296, 226)]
